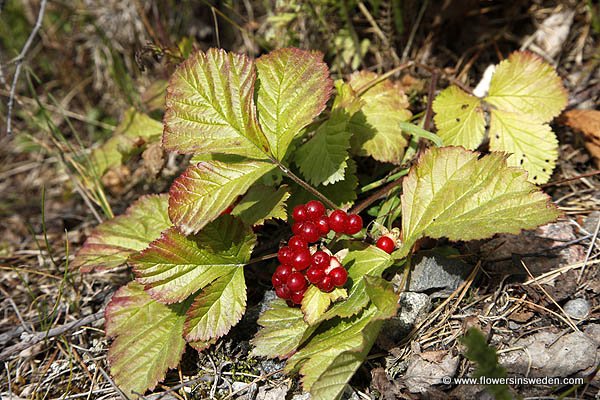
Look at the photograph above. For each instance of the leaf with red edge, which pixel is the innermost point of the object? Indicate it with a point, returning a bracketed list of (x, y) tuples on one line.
[(148, 338), (174, 266), (205, 190), (113, 241), (293, 88), (210, 106)]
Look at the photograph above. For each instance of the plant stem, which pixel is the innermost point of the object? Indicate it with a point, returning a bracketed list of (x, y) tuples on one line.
[(417, 131), (304, 184), (261, 258), (383, 181), (375, 196)]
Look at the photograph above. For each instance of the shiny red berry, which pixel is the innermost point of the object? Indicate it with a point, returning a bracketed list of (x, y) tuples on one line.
[(296, 242), (299, 214), (314, 209), (338, 220), (283, 292), (297, 297), (326, 284), (322, 225), (338, 276), (354, 224), (321, 259), (315, 274), (282, 272), (309, 232), (302, 259), (276, 281), (297, 228), (296, 282), (285, 254), (386, 244)]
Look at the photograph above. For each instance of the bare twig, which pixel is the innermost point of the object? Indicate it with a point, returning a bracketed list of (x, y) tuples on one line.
[(31, 340), (19, 63)]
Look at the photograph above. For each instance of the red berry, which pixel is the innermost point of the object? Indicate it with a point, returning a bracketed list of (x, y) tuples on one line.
[(285, 254), (297, 297), (297, 228), (322, 225), (315, 274), (276, 281), (283, 292), (299, 214), (282, 272), (337, 221), (354, 224), (310, 232), (321, 259), (296, 242), (296, 282), (338, 276), (326, 284), (301, 259), (386, 244), (314, 209)]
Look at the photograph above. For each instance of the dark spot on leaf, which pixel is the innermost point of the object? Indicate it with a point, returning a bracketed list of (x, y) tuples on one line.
[(497, 136), (544, 169), (522, 160), (548, 161), (535, 178), (457, 119), (464, 106)]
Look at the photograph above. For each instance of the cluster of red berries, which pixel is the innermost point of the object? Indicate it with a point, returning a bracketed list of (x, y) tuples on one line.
[(299, 267)]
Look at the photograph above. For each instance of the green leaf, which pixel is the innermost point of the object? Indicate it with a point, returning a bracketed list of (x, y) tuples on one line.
[(293, 88), (459, 118), (343, 193), (210, 107), (205, 190), (316, 302), (147, 338), (531, 144), (283, 330), (175, 266), (370, 261), (135, 127), (217, 308), (112, 242), (262, 203), (381, 294), (525, 84), (452, 193), (375, 128), (323, 159)]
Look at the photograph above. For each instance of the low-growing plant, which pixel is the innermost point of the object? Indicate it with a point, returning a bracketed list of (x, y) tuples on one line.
[(263, 148)]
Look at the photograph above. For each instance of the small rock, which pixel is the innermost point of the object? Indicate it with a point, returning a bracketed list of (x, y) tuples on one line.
[(303, 396), (545, 354), (267, 299), (413, 309), (577, 308), (591, 222), (272, 394), (269, 366), (422, 373), (553, 31), (437, 274)]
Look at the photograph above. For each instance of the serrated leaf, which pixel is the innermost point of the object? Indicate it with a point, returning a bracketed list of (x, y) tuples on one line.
[(210, 106), (381, 294), (531, 144), (459, 118), (452, 193), (323, 159), (283, 330), (134, 127), (112, 242), (315, 302), (525, 84), (293, 88), (205, 190), (324, 372), (343, 193), (217, 308), (147, 338), (375, 127), (175, 266), (262, 203), (360, 264)]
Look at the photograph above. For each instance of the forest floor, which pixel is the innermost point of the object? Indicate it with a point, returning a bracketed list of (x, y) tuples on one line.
[(90, 61)]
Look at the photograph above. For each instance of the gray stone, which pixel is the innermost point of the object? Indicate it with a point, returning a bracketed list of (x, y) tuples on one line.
[(577, 308), (545, 354), (413, 309), (437, 275), (422, 372), (277, 393), (591, 222), (303, 396)]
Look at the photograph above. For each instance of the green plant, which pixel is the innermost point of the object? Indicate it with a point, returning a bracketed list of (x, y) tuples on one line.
[(247, 123)]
